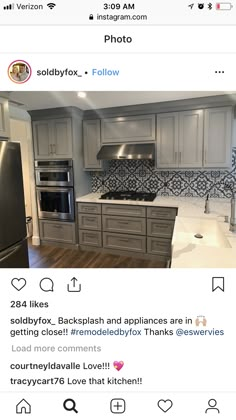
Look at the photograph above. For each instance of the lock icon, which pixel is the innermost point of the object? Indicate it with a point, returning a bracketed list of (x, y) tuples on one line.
[(90, 17)]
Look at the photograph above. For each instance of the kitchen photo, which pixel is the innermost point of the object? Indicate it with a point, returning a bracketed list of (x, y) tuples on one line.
[(117, 179)]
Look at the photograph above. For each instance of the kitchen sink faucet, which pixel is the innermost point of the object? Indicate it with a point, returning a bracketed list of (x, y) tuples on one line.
[(207, 207), (232, 222)]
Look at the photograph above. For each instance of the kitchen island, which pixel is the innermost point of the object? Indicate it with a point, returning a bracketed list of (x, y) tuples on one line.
[(218, 249)]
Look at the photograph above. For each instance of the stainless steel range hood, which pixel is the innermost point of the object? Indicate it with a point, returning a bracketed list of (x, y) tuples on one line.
[(127, 151)]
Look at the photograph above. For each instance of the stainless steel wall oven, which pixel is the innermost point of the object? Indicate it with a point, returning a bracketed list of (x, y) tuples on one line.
[(52, 173), (55, 193)]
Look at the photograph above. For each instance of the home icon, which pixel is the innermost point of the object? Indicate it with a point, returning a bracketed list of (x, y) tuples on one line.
[(23, 407)]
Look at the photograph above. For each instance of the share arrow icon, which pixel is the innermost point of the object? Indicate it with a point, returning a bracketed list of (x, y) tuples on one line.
[(74, 286)]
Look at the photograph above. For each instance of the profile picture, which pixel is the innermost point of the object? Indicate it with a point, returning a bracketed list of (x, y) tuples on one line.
[(19, 71)]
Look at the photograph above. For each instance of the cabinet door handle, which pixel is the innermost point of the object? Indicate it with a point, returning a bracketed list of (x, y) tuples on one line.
[(205, 156), (176, 155), (180, 157), (54, 149), (50, 149)]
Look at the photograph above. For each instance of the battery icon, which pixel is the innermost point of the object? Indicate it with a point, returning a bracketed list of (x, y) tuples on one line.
[(224, 6)]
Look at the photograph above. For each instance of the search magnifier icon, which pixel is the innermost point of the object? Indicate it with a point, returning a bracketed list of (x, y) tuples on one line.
[(70, 405)]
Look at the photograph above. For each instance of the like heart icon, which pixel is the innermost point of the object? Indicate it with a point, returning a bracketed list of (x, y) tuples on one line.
[(118, 365), (165, 405), (18, 284)]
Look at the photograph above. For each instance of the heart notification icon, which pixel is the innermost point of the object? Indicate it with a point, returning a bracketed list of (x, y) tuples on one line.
[(165, 405)]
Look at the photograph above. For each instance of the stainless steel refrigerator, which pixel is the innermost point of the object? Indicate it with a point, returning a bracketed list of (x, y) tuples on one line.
[(13, 236)]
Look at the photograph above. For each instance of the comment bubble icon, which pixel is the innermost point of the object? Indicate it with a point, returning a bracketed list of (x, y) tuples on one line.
[(46, 285)]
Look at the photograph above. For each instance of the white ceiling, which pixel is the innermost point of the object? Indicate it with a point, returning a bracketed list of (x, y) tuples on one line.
[(94, 100)]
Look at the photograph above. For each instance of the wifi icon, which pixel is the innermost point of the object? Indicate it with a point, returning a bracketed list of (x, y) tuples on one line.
[(51, 5)]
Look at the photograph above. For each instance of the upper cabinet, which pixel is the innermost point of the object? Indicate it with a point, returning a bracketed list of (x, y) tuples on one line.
[(140, 128), (167, 140), (91, 144), (217, 137), (190, 139), (4, 119), (53, 138), (194, 139), (180, 139)]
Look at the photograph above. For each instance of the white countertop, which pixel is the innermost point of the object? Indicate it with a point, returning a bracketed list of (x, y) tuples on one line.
[(186, 253)]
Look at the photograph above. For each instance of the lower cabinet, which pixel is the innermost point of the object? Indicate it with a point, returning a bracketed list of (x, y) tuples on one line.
[(63, 232), (132, 243), (160, 226), (90, 238), (131, 228), (159, 246), (90, 224), (121, 224)]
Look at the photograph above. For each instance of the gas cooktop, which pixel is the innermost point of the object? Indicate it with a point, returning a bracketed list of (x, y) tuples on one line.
[(128, 195)]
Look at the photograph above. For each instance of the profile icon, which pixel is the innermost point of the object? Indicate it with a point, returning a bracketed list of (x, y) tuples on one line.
[(19, 71), (212, 403)]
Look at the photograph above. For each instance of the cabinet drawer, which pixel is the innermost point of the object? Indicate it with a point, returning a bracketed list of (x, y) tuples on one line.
[(91, 238), (162, 228), (124, 210), (90, 221), (132, 243), (89, 208), (124, 224), (159, 246), (161, 213), (57, 231)]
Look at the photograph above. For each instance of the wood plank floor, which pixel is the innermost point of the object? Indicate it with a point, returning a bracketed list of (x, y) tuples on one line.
[(46, 256)]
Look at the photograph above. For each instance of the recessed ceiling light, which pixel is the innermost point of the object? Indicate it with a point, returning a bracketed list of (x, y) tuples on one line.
[(82, 94)]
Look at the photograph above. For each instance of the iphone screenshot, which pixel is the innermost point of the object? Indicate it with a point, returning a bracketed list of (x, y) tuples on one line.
[(117, 209)]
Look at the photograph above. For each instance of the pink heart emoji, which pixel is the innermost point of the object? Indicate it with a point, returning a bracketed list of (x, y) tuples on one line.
[(118, 365)]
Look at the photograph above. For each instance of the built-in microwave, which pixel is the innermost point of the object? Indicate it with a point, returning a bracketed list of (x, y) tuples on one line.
[(55, 203), (54, 173)]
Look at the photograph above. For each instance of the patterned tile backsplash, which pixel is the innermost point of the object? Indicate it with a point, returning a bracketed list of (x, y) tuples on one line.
[(141, 175)]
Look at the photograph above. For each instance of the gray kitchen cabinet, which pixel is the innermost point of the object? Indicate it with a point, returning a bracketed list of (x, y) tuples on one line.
[(134, 229), (217, 137), (42, 139), (124, 210), (195, 139), (63, 232), (123, 242), (162, 228), (4, 119), (89, 208), (62, 138), (90, 224), (130, 225), (53, 138), (167, 140), (90, 238), (90, 221), (162, 212), (180, 139), (159, 246), (91, 144), (139, 128), (190, 139)]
